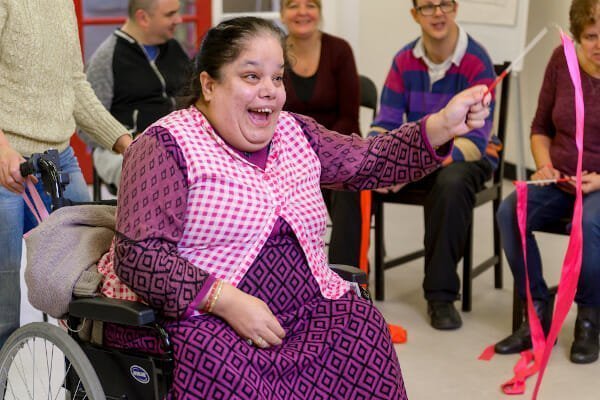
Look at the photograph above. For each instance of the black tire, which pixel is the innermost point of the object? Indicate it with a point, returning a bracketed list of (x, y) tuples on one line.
[(41, 361)]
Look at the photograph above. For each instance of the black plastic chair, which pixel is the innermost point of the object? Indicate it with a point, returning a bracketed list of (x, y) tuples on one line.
[(368, 94), (491, 192)]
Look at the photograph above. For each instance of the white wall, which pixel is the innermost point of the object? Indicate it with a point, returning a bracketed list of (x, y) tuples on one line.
[(541, 13), (377, 29)]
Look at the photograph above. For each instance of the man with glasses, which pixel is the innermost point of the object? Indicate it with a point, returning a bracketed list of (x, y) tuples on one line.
[(424, 75)]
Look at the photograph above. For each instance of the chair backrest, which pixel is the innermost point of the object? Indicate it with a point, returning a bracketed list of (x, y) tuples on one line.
[(368, 94), (501, 117)]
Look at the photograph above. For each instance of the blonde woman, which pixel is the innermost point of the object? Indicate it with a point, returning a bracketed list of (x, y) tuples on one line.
[(321, 81)]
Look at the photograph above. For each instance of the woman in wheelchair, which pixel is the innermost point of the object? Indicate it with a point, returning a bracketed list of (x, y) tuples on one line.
[(220, 221)]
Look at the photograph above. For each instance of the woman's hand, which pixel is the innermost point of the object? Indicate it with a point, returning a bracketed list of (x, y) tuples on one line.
[(249, 316), (590, 182), (546, 172), (464, 112), (10, 174)]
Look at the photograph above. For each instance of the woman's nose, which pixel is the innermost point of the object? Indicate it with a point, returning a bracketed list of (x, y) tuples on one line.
[(267, 88)]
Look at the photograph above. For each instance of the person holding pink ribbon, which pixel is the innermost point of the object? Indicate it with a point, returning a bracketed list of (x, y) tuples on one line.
[(555, 154)]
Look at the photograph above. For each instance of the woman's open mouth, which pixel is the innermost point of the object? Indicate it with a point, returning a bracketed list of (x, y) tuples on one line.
[(260, 116)]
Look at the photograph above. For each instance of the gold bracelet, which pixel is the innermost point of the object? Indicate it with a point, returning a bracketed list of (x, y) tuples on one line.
[(213, 301), (211, 294)]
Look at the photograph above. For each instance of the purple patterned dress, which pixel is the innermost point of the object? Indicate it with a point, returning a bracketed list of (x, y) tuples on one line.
[(333, 349)]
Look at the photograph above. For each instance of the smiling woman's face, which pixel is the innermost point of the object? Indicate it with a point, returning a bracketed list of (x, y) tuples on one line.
[(301, 17), (244, 105)]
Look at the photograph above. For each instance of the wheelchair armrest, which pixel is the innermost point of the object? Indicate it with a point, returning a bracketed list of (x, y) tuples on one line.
[(116, 311), (350, 274)]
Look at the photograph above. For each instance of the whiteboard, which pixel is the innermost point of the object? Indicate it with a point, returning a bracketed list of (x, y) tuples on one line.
[(499, 25)]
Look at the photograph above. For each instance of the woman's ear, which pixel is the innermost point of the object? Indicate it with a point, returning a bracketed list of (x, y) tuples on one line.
[(208, 85)]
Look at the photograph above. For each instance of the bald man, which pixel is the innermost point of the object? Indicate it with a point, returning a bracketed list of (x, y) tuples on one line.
[(137, 72)]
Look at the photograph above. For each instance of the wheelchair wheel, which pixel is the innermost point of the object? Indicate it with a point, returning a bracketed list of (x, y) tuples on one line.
[(41, 361)]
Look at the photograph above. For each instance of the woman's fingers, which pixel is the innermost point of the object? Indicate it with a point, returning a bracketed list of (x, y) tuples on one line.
[(276, 328), (270, 339)]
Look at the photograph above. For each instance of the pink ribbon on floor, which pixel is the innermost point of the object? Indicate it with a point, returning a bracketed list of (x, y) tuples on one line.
[(531, 362)]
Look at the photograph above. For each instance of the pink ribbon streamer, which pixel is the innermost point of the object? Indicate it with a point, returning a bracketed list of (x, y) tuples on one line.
[(531, 362), (572, 263)]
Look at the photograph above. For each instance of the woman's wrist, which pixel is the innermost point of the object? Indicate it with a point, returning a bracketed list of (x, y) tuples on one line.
[(213, 296), (437, 129)]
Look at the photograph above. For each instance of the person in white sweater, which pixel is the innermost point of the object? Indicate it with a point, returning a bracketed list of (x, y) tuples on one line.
[(44, 95)]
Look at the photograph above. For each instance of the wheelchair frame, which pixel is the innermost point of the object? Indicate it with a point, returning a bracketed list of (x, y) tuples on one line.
[(106, 373)]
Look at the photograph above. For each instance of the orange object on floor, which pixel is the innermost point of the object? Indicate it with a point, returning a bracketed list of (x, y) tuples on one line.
[(397, 333)]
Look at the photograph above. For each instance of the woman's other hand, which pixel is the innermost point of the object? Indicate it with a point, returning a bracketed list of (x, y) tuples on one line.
[(464, 112), (249, 316), (590, 181)]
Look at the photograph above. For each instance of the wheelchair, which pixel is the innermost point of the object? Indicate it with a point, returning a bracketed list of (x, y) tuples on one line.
[(41, 360)]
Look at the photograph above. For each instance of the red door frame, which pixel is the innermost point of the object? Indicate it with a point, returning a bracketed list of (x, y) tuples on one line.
[(202, 20)]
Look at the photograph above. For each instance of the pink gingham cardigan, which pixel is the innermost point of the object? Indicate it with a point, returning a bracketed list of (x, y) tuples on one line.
[(234, 204)]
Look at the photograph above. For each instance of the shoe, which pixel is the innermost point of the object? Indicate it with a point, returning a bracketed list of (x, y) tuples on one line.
[(586, 346), (443, 315), (520, 339)]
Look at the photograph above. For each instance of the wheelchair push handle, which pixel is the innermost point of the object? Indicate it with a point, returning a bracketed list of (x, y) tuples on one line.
[(46, 165)]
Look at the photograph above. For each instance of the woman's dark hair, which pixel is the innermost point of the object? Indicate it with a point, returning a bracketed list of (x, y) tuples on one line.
[(222, 45), (582, 14)]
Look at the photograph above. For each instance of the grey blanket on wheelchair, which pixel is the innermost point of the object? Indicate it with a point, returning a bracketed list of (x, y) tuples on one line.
[(62, 253)]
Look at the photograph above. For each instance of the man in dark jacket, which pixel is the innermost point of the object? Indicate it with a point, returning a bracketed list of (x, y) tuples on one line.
[(137, 72)]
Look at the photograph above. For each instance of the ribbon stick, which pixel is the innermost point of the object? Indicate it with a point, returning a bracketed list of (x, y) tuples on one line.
[(518, 59), (542, 181)]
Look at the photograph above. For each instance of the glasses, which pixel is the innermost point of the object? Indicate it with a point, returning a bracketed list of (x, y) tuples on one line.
[(429, 9)]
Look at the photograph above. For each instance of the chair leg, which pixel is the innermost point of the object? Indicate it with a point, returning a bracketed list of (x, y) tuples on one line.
[(379, 254), (467, 272), (498, 280)]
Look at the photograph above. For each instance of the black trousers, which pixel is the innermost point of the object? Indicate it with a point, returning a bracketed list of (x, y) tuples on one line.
[(448, 213), (344, 244)]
